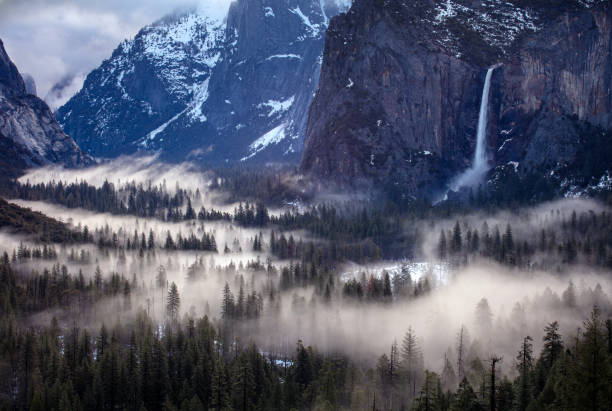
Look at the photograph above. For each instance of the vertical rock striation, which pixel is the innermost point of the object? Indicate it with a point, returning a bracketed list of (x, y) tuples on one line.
[(399, 94)]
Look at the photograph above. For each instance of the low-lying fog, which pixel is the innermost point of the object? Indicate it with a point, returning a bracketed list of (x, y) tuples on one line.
[(521, 302)]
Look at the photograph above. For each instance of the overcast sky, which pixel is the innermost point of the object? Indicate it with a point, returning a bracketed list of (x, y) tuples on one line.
[(51, 39)]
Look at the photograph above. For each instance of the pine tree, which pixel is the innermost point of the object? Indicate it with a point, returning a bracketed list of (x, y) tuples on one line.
[(98, 278), (442, 246), (159, 378), (161, 279), (387, 293), (382, 372), (457, 240), (524, 365), (303, 366), (411, 360), (243, 390), (189, 212), (227, 303), (328, 396), (465, 398), (553, 345), (240, 308), (484, 316), (448, 378), (569, 295), (173, 302), (505, 396), (169, 244), (151, 240), (428, 397), (593, 372), (394, 371), (508, 241)]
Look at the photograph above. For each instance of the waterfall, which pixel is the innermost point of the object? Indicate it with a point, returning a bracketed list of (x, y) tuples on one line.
[(473, 175)]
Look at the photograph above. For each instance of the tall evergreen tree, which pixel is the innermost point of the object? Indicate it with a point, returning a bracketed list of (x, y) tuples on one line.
[(524, 365), (457, 242), (593, 372), (173, 303), (411, 364), (465, 398)]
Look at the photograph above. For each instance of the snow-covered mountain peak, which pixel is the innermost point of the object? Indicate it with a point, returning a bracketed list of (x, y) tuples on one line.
[(206, 82)]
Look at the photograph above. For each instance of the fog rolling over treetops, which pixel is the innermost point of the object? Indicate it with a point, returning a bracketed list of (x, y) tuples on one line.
[(519, 300), (445, 243), (123, 170), (170, 249)]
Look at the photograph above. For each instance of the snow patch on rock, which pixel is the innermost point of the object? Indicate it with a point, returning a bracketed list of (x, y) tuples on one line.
[(274, 136), (314, 28), (277, 107)]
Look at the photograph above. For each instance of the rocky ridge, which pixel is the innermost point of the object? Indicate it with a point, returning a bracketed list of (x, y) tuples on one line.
[(401, 83), (207, 89), (29, 134)]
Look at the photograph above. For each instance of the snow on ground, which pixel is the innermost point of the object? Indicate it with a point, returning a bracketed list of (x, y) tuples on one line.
[(437, 273)]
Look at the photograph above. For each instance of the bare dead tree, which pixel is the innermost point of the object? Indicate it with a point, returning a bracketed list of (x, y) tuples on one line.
[(493, 360)]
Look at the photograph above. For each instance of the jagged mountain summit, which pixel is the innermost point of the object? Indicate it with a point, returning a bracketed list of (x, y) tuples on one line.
[(402, 82), (29, 134), (210, 89)]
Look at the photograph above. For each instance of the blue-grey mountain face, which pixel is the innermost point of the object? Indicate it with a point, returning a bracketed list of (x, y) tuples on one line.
[(212, 90)]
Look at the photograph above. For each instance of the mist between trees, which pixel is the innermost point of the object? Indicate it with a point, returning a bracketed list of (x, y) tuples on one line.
[(302, 307)]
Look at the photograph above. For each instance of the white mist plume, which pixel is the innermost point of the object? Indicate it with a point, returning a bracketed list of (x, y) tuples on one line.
[(123, 170)]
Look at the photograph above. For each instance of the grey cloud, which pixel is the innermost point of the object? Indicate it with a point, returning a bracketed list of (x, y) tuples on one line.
[(55, 39)]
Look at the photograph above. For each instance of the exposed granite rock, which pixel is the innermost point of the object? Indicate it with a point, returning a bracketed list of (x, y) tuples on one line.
[(560, 77), (401, 83), (201, 88), (29, 134)]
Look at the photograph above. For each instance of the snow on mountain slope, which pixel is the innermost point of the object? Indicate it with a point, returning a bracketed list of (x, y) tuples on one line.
[(206, 87), (148, 80), (274, 136), (498, 22)]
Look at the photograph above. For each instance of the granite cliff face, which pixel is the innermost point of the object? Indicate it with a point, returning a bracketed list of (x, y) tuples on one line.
[(29, 134), (401, 84), (202, 88), (559, 78)]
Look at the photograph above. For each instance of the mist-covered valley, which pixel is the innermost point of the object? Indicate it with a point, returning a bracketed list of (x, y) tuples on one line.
[(424, 290), (306, 205)]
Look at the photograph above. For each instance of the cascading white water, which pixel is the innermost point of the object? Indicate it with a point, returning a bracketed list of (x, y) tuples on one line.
[(473, 175)]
